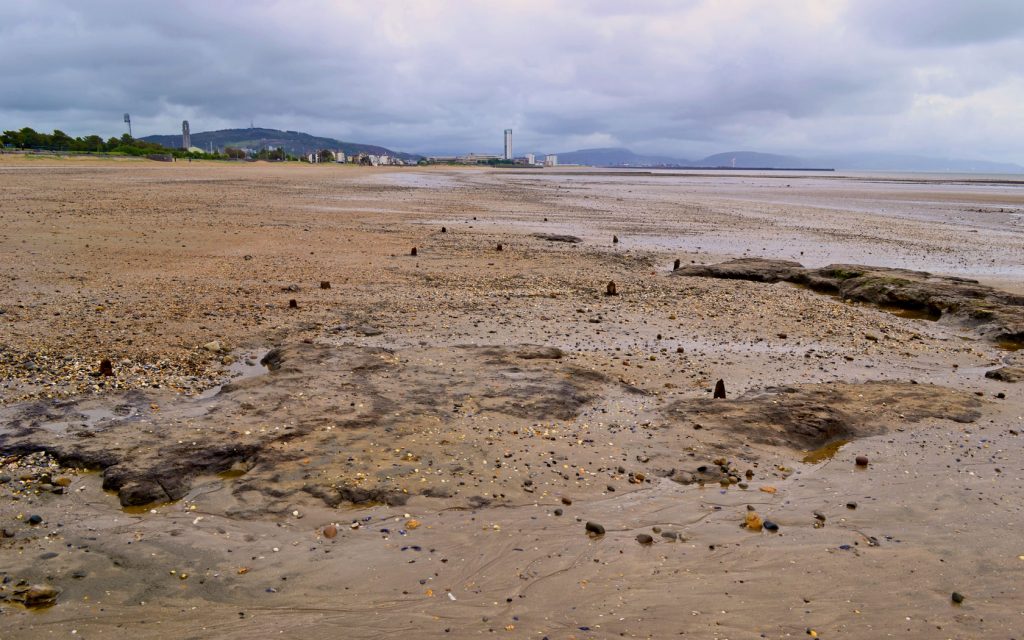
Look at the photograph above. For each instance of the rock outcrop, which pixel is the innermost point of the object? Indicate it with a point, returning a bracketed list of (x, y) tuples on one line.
[(996, 315)]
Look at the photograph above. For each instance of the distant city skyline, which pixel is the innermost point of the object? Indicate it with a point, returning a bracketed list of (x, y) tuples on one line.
[(682, 79)]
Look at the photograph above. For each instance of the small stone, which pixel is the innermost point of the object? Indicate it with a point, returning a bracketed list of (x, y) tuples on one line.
[(719, 390), (499, 247), (958, 597), (325, 284), (444, 229), (566, 500), (851, 505), (106, 367), (615, 239), (330, 531), (413, 252), (39, 595), (675, 265), (645, 539), (770, 526), (293, 304), (558, 512), (213, 346), (35, 519), (753, 521), (611, 290), (862, 461), (594, 528), (819, 516)]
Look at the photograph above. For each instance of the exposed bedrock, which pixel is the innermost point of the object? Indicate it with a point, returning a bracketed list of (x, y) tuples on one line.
[(808, 416), (996, 315), (306, 424)]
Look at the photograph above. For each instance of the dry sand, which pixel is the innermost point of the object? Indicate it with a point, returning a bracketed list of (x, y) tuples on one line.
[(481, 406)]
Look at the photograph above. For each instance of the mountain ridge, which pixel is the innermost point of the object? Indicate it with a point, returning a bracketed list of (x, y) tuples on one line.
[(293, 142), (864, 161)]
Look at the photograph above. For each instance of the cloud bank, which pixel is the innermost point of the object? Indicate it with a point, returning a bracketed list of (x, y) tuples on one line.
[(936, 77)]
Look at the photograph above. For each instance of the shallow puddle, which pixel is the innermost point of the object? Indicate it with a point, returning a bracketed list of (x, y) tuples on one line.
[(1009, 345), (240, 369), (824, 453)]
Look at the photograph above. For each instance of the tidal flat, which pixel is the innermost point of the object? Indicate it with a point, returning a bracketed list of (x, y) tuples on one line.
[(308, 428)]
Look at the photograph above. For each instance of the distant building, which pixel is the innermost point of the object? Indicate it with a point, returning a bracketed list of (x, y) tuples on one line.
[(339, 156), (186, 137), (550, 160), (508, 144), (531, 159)]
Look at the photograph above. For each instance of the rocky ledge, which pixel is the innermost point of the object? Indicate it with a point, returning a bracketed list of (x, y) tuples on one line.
[(996, 315)]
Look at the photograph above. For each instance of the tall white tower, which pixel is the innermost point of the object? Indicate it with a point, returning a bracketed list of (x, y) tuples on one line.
[(508, 144), (186, 137)]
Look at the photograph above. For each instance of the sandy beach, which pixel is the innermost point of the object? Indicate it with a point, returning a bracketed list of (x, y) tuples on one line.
[(399, 402)]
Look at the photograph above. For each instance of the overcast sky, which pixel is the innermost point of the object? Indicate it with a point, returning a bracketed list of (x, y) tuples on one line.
[(682, 78)]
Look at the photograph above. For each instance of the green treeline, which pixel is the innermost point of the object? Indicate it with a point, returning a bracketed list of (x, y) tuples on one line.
[(28, 138)]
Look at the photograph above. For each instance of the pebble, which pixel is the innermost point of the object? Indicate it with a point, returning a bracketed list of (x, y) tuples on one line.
[(753, 521), (558, 512), (35, 519), (862, 461), (330, 531), (851, 505), (770, 526), (611, 290), (595, 528), (958, 597), (643, 538), (39, 595)]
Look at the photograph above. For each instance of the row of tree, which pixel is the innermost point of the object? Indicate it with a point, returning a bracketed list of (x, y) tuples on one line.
[(28, 138)]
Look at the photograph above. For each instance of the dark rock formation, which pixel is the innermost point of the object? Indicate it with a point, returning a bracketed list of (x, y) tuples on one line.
[(996, 315), (1006, 374), (557, 237), (808, 416)]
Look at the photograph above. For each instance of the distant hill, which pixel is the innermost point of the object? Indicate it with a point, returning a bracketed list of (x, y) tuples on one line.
[(615, 157), (752, 159), (293, 142)]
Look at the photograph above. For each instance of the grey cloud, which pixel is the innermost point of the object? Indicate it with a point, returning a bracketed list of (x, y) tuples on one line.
[(660, 77)]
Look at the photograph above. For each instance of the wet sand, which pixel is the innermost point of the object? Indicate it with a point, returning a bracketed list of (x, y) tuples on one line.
[(464, 396)]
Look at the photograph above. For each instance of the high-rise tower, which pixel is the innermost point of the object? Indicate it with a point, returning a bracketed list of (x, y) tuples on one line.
[(186, 137), (508, 144)]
